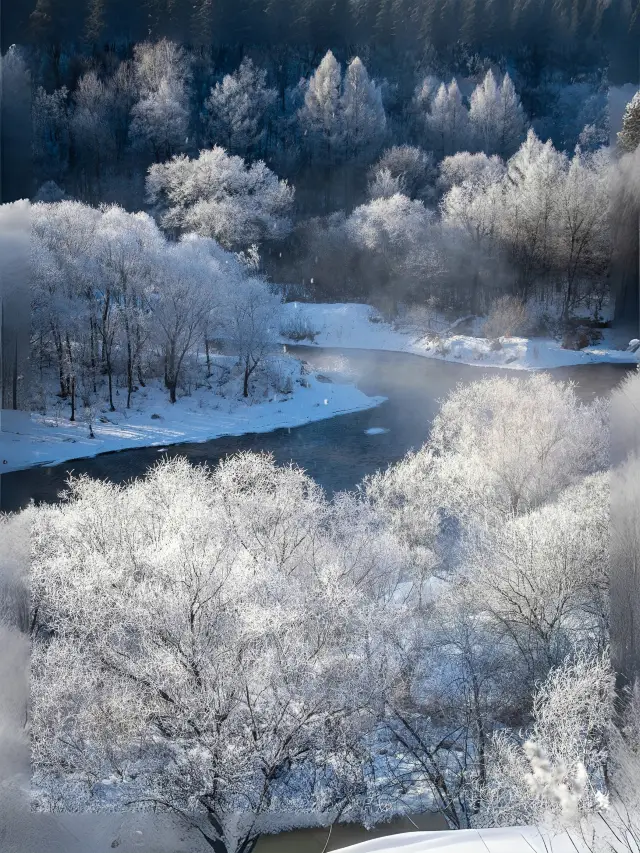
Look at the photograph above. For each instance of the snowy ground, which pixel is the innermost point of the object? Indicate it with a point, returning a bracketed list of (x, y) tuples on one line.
[(39, 439), (350, 326), (525, 839)]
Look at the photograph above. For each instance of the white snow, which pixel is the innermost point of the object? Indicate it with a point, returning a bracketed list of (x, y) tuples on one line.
[(26, 440), (525, 839), (349, 326)]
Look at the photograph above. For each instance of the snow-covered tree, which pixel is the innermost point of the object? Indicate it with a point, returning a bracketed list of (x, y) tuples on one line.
[(542, 577), (362, 112), (92, 127), (629, 136), (237, 109), (160, 121), (214, 634), (251, 323), (476, 169), (559, 770), (160, 118), (217, 195), (396, 232), (447, 122), (496, 116), (320, 117), (406, 170), (509, 445)]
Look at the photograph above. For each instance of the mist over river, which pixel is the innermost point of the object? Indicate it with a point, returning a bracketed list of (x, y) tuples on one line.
[(337, 452)]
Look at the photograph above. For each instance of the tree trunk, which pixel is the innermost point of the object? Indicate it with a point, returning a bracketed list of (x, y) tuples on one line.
[(247, 373), (73, 398), (93, 355)]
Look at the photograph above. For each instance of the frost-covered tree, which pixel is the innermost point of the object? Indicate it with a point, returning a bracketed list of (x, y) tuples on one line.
[(363, 115), (474, 205), (126, 246), (92, 127), (511, 119), (543, 577), (528, 220), (447, 122), (582, 246), (559, 770), (320, 117), (406, 170), (509, 445), (160, 118), (237, 109), (160, 121), (629, 136), (396, 232), (157, 62), (51, 132), (496, 116), (215, 633), (251, 322), (217, 195), (182, 295), (477, 169), (65, 288)]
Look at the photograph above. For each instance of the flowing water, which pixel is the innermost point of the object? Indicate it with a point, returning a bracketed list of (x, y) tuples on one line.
[(337, 452)]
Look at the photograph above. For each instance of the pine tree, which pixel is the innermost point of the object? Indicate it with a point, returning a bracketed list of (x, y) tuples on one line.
[(511, 120), (629, 136), (484, 113), (363, 114), (237, 108), (497, 117), (448, 121), (320, 116), (94, 23)]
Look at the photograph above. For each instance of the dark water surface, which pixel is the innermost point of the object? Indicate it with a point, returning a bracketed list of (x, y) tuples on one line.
[(336, 452)]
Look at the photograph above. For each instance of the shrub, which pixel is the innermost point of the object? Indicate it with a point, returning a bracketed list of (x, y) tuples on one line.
[(298, 327), (508, 316)]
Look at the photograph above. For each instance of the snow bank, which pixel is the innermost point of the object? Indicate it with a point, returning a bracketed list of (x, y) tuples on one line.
[(354, 326), (49, 439), (525, 839)]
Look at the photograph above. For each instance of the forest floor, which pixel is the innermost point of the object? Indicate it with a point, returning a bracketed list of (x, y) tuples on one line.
[(283, 395), (356, 326)]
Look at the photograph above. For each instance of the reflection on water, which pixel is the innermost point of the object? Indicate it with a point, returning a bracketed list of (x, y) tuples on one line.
[(337, 452)]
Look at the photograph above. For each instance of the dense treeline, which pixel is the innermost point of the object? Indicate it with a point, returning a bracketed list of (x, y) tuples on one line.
[(563, 30)]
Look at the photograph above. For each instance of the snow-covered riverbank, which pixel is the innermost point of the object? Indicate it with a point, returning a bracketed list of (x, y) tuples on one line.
[(509, 840), (349, 325), (39, 439)]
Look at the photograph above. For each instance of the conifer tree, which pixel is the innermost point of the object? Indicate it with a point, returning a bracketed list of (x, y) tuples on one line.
[(629, 136)]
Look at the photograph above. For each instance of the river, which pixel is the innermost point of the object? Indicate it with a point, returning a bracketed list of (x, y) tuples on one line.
[(337, 452)]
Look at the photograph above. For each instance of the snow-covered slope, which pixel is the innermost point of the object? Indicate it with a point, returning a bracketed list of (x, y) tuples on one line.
[(349, 326), (525, 839)]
